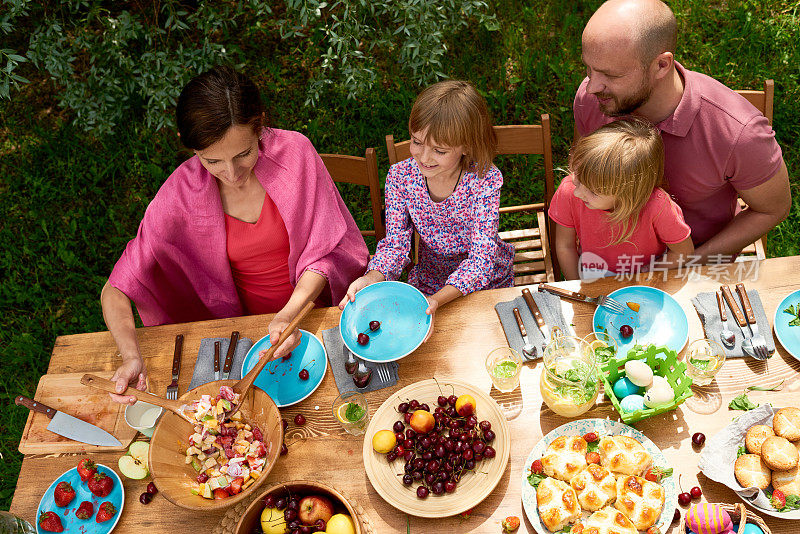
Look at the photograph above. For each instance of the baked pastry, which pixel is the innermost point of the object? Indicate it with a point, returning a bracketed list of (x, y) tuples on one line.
[(557, 504), (751, 471), (779, 454), (786, 481), (640, 500), (565, 457), (607, 521), (786, 423), (624, 455), (595, 487), (755, 437)]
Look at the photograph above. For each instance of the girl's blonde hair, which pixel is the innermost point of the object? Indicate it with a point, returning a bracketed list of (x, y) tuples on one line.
[(624, 159), (456, 115)]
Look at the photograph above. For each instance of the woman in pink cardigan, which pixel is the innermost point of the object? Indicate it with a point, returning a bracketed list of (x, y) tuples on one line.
[(251, 224)]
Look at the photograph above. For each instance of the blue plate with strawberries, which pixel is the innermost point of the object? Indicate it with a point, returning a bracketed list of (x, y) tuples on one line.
[(283, 379), (66, 514)]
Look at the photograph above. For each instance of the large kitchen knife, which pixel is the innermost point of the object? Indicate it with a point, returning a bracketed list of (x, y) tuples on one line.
[(69, 426)]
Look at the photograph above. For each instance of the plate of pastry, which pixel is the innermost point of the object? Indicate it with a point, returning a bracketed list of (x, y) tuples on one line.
[(598, 473)]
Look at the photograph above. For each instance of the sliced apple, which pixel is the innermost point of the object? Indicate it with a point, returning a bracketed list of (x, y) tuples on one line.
[(134, 464)]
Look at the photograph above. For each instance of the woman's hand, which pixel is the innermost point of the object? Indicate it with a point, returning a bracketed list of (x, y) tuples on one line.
[(275, 329), (433, 305), (358, 284), (132, 372)]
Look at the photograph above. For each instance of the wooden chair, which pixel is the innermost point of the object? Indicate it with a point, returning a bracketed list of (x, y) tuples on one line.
[(360, 171), (533, 261), (762, 100)]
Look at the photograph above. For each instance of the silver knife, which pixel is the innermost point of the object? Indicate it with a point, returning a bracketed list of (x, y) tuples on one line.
[(526, 294), (69, 426)]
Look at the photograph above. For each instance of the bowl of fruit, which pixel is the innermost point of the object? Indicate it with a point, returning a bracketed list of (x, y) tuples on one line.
[(300, 506), (213, 463)]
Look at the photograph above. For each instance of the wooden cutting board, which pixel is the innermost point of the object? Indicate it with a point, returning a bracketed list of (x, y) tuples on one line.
[(65, 393)]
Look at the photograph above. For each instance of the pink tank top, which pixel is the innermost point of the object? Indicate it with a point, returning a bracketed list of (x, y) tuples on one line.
[(259, 257)]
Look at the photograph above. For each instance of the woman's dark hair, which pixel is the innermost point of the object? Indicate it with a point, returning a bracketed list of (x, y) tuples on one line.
[(214, 101)]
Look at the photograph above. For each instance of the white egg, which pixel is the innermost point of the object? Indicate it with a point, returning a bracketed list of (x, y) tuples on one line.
[(658, 382), (659, 395), (638, 372)]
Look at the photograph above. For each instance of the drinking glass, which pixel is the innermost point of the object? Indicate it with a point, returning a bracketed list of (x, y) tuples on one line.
[(602, 345), (14, 525), (351, 410), (704, 358), (504, 365), (569, 380)]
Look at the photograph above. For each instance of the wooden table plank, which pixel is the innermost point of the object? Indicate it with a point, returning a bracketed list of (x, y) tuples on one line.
[(466, 331)]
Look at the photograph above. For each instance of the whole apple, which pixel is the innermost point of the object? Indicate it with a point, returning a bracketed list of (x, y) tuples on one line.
[(422, 421), (314, 507)]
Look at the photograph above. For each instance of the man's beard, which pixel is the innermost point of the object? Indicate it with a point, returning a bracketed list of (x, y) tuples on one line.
[(629, 104)]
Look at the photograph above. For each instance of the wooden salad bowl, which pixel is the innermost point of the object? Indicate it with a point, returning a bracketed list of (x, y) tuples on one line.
[(251, 519), (175, 478)]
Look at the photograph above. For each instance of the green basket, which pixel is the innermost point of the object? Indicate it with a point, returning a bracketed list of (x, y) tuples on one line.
[(667, 366)]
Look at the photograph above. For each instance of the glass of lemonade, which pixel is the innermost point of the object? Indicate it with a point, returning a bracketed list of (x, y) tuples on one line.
[(504, 365), (704, 358), (569, 380), (602, 345), (351, 410)]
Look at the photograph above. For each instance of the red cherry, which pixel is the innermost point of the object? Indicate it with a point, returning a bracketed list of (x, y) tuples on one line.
[(374, 325), (698, 439), (684, 499), (676, 516), (303, 374), (284, 449), (152, 489), (299, 419), (696, 492), (363, 339), (625, 331)]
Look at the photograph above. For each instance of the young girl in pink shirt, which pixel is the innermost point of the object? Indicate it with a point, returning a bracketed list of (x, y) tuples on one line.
[(611, 214)]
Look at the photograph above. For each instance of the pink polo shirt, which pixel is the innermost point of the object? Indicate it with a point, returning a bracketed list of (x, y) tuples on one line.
[(660, 223), (715, 144)]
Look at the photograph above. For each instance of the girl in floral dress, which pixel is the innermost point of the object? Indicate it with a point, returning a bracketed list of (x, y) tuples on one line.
[(449, 192)]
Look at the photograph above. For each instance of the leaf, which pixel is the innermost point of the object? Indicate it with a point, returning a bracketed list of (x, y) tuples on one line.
[(593, 446), (742, 402), (661, 472), (534, 479), (776, 387), (741, 451)]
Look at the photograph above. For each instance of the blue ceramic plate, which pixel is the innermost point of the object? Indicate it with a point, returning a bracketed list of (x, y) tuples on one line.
[(603, 427), (399, 307), (72, 524), (280, 378), (660, 320), (789, 336)]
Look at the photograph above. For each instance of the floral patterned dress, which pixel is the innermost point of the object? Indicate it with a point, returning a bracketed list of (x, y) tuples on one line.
[(459, 244)]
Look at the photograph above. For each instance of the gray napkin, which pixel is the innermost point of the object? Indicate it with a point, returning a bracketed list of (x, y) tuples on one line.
[(204, 367), (337, 355), (719, 454), (549, 305), (706, 306)]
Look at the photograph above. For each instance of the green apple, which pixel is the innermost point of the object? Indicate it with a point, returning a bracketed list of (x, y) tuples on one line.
[(134, 464), (272, 521)]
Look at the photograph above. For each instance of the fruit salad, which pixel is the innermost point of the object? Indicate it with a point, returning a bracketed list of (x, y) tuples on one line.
[(228, 455)]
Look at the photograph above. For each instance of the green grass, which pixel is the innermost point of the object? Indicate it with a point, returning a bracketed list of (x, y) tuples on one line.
[(69, 202)]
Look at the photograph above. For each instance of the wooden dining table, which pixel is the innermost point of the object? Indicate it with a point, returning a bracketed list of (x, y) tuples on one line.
[(465, 331)]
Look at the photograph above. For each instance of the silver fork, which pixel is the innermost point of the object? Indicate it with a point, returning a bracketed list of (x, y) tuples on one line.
[(601, 300), (172, 388), (741, 321), (758, 340), (383, 372)]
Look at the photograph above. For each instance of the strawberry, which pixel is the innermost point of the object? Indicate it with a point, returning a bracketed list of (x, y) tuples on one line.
[(63, 494), (510, 523), (50, 522), (536, 467), (778, 500), (85, 510), (106, 512), (257, 435), (592, 458), (236, 485), (590, 437), (101, 484), (86, 469), (220, 493)]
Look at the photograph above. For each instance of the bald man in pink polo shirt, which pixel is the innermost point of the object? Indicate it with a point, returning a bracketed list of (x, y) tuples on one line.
[(717, 145)]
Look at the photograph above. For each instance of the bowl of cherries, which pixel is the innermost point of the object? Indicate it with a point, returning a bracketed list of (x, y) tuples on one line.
[(385, 322)]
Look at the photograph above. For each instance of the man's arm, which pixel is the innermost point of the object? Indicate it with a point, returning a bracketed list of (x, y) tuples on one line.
[(767, 205)]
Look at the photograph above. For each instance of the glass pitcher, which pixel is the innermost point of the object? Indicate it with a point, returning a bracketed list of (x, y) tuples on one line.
[(569, 381)]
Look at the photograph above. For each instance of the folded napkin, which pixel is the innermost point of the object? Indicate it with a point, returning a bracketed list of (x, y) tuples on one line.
[(719, 454), (337, 355), (204, 366), (549, 306), (706, 306)]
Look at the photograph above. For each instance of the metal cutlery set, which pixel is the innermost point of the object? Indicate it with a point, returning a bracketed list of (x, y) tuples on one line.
[(754, 343), (361, 373)]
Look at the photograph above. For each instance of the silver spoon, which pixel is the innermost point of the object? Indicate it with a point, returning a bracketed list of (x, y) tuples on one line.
[(351, 363), (362, 375), (529, 349), (727, 335)]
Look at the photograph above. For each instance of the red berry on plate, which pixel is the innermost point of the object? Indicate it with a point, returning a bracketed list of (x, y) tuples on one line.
[(698, 439), (778, 500), (676, 516), (696, 492), (50, 522), (303, 374), (590, 437), (536, 467), (684, 499), (299, 419), (85, 510), (63, 494), (108, 510), (592, 458), (363, 339), (625, 331)]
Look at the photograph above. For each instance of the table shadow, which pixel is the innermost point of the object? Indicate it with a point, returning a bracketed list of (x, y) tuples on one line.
[(510, 403), (705, 399)]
